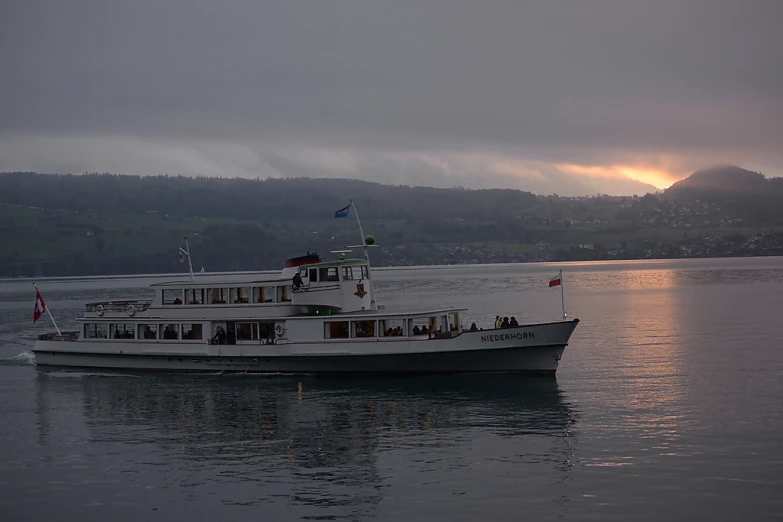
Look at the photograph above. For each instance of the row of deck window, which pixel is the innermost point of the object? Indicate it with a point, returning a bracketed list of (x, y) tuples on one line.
[(222, 296), (314, 275), (239, 331), (264, 330), (433, 325), (148, 331)]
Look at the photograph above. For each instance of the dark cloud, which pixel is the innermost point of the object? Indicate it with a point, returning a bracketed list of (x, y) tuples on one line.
[(668, 84)]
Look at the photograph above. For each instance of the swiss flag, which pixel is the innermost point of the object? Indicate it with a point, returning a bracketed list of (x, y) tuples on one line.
[(40, 306), (555, 281)]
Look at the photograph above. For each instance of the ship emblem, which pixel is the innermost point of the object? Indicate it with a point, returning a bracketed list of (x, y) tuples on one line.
[(360, 290)]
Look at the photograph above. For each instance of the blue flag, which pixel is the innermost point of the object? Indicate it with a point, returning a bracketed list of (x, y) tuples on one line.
[(343, 212)]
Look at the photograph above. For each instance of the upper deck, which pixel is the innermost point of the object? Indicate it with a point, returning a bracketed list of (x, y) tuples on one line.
[(341, 285)]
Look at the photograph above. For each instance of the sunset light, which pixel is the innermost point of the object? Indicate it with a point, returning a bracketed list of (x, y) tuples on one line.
[(658, 178)]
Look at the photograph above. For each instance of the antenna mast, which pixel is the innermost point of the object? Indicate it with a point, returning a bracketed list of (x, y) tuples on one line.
[(364, 245), (186, 251)]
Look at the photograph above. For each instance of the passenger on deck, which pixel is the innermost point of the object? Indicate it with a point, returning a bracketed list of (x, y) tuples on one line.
[(231, 336), (398, 331), (220, 336), (504, 324), (297, 281), (177, 301), (473, 327), (452, 328), (416, 330), (148, 333), (389, 332), (513, 321), (498, 321)]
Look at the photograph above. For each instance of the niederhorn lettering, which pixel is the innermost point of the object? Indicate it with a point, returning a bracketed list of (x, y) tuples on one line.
[(491, 338)]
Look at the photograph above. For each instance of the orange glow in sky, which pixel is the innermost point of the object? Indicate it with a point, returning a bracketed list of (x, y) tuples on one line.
[(657, 177)]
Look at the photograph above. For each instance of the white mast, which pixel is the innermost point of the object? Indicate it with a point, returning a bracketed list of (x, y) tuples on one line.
[(562, 295), (364, 245), (186, 251)]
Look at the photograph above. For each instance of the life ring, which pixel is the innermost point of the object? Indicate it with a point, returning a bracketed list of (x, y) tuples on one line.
[(131, 310), (279, 330), (99, 309)]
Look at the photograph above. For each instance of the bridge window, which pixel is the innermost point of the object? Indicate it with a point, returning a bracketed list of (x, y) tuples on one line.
[(347, 273), (313, 275), (172, 296), (194, 296), (192, 331), (364, 328), (336, 330), (169, 331), (240, 295), (122, 331), (148, 331), (96, 331), (365, 272), (328, 274), (218, 296)]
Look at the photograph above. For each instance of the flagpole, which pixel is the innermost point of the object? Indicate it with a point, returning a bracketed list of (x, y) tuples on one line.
[(562, 294), (366, 256), (46, 307)]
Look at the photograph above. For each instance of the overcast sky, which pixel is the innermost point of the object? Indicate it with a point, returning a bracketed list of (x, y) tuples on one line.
[(442, 93)]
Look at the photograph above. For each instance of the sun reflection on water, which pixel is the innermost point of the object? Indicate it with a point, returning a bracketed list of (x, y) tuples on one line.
[(645, 365)]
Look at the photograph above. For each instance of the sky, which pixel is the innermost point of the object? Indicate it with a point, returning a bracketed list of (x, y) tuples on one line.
[(554, 96)]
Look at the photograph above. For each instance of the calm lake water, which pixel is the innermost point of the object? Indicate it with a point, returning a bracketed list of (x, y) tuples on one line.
[(668, 405)]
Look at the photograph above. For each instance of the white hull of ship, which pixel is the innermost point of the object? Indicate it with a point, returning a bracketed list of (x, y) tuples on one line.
[(531, 348)]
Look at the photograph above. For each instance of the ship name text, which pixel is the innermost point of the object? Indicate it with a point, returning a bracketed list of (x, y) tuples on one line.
[(507, 337)]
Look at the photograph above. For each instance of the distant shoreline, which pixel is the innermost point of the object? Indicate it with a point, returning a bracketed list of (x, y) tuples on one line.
[(417, 268)]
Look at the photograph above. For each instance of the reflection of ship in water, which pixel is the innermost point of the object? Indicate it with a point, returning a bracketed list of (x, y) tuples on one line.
[(325, 431)]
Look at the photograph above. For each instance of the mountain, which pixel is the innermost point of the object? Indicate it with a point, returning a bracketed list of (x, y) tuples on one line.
[(746, 194), (726, 179)]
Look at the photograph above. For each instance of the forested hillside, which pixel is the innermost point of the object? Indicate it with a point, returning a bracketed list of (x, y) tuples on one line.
[(107, 224)]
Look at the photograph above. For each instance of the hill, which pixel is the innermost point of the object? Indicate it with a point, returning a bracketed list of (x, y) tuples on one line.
[(745, 194), (111, 224), (261, 200), (723, 180)]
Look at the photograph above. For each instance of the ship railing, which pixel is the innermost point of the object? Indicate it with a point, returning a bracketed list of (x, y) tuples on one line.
[(64, 336), (117, 306)]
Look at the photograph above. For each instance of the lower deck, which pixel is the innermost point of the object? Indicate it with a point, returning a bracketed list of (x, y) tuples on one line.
[(526, 348), (543, 359)]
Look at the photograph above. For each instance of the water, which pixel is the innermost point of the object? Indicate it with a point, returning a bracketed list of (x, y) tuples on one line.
[(668, 405)]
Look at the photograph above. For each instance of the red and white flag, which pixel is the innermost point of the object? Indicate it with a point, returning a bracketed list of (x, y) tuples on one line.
[(555, 281), (40, 306)]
